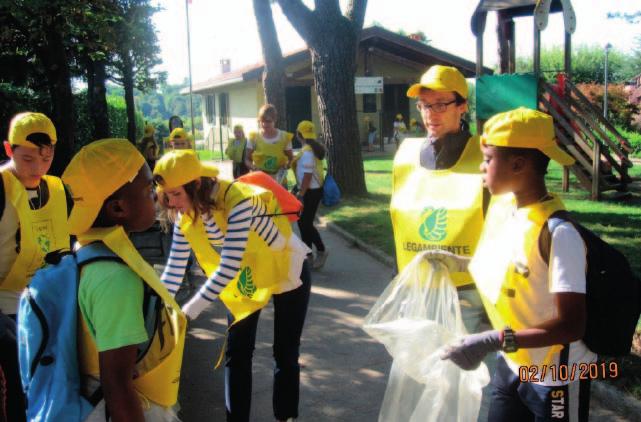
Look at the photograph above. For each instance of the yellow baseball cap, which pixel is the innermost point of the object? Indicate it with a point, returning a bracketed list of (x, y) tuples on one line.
[(149, 131), (178, 133), (440, 78), (525, 128), (307, 129), (24, 124), (238, 127), (399, 116), (94, 174), (179, 167)]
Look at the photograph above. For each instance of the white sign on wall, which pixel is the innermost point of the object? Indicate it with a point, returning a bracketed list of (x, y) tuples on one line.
[(368, 85)]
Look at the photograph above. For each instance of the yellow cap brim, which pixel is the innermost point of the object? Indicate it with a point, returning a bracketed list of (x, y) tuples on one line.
[(415, 89), (208, 170), (82, 217), (557, 154)]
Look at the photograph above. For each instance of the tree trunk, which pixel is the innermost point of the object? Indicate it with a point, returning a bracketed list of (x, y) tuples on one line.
[(97, 99), (333, 66), (128, 85), (56, 64), (274, 74)]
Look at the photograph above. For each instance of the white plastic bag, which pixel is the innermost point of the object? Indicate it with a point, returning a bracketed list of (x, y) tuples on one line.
[(416, 315)]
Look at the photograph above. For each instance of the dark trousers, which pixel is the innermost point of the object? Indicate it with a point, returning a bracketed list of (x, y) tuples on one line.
[(290, 309), (513, 400), (238, 169), (15, 402), (308, 232)]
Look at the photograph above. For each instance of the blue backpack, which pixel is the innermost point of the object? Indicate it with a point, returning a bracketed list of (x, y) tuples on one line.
[(47, 338), (331, 192)]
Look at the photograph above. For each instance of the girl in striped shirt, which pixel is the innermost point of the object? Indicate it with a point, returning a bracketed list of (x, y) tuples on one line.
[(239, 220)]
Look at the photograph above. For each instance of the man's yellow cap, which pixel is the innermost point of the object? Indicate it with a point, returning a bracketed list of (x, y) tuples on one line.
[(94, 174), (178, 133), (399, 116), (440, 78), (28, 123), (307, 129), (179, 167), (525, 128)]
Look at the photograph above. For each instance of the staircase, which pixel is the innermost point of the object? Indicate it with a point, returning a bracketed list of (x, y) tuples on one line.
[(601, 153)]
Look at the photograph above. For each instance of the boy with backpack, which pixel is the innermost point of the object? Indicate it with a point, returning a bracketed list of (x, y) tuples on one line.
[(130, 334), (538, 312), (33, 217)]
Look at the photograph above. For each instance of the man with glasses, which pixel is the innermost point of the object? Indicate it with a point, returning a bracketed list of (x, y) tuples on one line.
[(438, 199)]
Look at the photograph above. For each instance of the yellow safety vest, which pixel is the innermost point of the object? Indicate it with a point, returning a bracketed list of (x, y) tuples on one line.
[(501, 250), (236, 149), (159, 370), (436, 209), (262, 270), (41, 231), (318, 171), (270, 157)]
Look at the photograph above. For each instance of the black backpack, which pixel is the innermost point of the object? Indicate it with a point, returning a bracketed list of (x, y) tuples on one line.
[(613, 292)]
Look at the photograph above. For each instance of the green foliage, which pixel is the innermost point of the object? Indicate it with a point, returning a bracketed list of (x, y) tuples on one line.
[(587, 64), (634, 137), (15, 99)]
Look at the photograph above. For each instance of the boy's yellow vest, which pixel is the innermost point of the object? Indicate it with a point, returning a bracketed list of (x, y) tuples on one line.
[(235, 150), (436, 209), (41, 231), (495, 270), (270, 157), (159, 370), (261, 270), (318, 171)]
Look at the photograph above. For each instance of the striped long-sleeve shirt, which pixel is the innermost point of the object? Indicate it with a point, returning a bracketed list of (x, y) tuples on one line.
[(247, 215)]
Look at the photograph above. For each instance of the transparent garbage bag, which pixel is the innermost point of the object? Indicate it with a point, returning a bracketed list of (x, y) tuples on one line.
[(416, 315)]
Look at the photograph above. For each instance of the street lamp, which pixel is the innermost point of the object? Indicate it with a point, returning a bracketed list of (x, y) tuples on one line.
[(607, 48)]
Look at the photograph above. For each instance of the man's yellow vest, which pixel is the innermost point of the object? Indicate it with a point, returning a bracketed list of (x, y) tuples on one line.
[(501, 265), (270, 157), (318, 171), (236, 149), (262, 270), (436, 209), (159, 370), (41, 231)]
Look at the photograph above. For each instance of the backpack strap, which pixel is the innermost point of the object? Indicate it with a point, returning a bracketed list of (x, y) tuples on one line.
[(96, 251), (545, 237)]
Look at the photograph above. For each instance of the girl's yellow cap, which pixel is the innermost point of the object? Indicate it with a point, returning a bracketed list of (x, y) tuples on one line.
[(180, 167)]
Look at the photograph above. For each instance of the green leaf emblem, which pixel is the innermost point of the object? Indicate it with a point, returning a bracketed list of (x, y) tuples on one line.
[(434, 224), (245, 283)]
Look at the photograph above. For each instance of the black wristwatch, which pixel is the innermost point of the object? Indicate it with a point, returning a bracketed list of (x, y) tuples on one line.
[(509, 341)]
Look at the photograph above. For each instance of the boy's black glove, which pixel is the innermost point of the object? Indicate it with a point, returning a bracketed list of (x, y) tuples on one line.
[(470, 350)]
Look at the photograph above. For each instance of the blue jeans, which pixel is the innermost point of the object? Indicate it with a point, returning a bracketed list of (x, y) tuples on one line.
[(290, 309), (513, 400)]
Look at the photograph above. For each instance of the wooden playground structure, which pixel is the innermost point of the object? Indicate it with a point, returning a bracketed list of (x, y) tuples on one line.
[(601, 153)]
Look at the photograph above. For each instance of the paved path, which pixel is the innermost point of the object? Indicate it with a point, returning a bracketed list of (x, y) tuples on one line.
[(344, 371)]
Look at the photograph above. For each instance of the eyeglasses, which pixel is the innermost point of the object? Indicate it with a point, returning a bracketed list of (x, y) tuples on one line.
[(436, 107)]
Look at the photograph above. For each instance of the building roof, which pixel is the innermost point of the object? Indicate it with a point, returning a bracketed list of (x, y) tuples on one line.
[(371, 37)]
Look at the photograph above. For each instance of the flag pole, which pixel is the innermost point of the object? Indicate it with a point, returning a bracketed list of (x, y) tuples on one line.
[(191, 99)]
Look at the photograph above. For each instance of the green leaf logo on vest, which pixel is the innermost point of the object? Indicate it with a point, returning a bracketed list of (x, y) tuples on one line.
[(245, 283), (271, 163), (44, 243), (433, 228)]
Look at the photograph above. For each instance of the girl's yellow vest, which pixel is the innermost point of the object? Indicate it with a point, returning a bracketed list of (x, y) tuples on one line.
[(270, 157), (159, 370), (262, 270), (502, 249), (41, 231), (436, 209), (235, 150), (318, 171)]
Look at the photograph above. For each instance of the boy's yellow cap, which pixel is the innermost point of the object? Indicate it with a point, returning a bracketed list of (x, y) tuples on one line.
[(238, 127), (94, 174), (525, 128), (307, 129), (179, 167), (399, 116), (440, 78), (28, 123), (149, 131)]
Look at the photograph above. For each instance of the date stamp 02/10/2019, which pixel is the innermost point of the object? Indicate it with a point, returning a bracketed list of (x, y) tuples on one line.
[(576, 371)]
